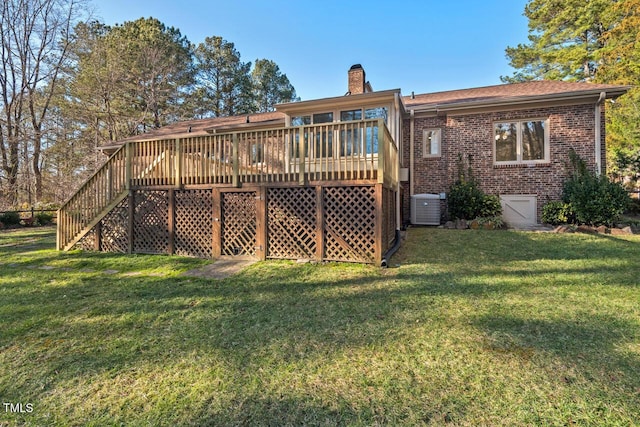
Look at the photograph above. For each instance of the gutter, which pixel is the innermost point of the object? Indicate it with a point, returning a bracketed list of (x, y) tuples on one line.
[(520, 100)]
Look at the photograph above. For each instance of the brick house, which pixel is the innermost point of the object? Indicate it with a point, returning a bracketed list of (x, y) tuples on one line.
[(516, 136), (333, 178)]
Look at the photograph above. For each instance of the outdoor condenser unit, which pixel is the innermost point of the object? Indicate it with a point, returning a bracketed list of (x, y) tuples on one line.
[(425, 209)]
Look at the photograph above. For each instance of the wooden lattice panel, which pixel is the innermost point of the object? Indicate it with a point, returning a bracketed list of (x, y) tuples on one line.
[(115, 233), (87, 242), (193, 221), (291, 218), (239, 223), (151, 227), (349, 223)]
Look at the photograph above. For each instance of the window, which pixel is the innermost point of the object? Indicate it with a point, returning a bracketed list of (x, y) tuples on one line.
[(350, 115), (300, 120), (525, 141), (350, 143), (376, 113), (323, 136), (431, 142), (372, 133)]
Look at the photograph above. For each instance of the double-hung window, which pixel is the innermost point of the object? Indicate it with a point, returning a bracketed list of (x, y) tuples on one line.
[(521, 142)]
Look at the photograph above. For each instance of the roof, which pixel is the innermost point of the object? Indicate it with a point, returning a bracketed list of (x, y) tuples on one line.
[(201, 127), (504, 95), (538, 90)]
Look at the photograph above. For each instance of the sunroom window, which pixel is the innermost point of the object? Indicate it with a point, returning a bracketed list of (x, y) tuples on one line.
[(523, 141)]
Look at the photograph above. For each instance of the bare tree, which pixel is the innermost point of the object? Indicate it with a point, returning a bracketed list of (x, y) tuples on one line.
[(34, 40)]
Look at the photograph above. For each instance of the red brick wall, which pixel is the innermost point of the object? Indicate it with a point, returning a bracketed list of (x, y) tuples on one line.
[(570, 127)]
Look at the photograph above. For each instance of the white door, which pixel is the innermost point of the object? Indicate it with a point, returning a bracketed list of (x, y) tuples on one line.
[(518, 210)]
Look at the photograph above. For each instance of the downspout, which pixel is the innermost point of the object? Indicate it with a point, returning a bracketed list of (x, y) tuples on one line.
[(598, 141), (411, 154), (398, 132)]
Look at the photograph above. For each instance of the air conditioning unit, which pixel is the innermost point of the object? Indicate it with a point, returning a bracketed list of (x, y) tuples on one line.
[(425, 209)]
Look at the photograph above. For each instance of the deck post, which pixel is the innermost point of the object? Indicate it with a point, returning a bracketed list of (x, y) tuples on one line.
[(382, 146), (98, 233), (379, 218), (261, 223), (319, 223), (171, 221), (178, 164), (128, 165), (216, 223), (59, 228), (236, 162), (301, 155), (131, 212)]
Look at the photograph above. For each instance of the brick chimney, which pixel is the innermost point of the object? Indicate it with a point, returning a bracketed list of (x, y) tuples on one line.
[(357, 82)]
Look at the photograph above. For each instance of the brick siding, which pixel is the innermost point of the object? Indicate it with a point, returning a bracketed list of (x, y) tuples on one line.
[(569, 127)]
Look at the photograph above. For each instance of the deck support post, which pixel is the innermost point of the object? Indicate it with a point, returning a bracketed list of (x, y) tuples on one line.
[(130, 229), (379, 218), (261, 223), (98, 233), (171, 221), (216, 223), (319, 223)]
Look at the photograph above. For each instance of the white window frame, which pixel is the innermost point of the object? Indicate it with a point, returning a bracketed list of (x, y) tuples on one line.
[(425, 137), (519, 160)]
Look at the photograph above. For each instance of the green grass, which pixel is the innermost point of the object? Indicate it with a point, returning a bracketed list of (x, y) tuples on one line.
[(466, 328)]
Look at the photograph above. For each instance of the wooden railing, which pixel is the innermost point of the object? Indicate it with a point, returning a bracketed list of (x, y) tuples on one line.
[(347, 151)]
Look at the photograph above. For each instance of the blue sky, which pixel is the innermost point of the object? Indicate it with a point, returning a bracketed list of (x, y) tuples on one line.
[(422, 46)]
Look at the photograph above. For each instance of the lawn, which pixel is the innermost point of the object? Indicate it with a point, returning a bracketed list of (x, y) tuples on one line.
[(465, 328)]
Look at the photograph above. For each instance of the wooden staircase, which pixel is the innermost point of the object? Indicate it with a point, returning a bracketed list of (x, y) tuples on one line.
[(97, 196)]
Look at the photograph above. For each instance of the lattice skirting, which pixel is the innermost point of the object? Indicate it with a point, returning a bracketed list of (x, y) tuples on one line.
[(291, 228), (193, 222), (291, 222), (349, 223), (151, 222), (239, 223)]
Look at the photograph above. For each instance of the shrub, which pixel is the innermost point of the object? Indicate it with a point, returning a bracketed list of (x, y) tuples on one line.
[(556, 213), (491, 206), (594, 199), (10, 218), (44, 218), (465, 200)]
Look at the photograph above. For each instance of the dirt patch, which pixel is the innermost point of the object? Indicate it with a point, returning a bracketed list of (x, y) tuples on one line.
[(221, 268)]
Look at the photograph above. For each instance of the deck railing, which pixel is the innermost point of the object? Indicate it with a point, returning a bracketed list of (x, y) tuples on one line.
[(347, 151)]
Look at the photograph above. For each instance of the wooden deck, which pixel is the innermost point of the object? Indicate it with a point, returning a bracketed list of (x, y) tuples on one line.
[(299, 192)]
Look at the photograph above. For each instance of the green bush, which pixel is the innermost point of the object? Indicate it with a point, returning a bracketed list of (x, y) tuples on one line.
[(10, 218), (556, 213), (465, 200), (595, 200), (491, 206), (44, 218)]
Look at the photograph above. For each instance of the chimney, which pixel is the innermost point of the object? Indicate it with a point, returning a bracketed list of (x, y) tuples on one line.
[(357, 82)]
